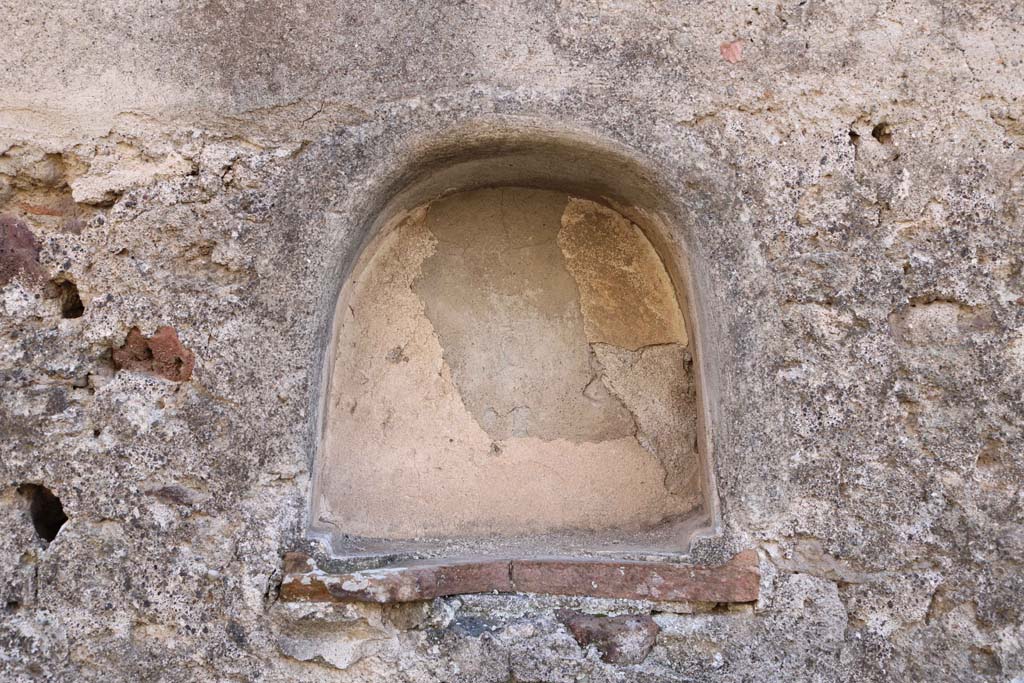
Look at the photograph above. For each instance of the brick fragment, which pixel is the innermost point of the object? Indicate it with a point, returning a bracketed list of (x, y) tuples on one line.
[(298, 563), (408, 583), (735, 581), (162, 354), (624, 639), (19, 252), (732, 52)]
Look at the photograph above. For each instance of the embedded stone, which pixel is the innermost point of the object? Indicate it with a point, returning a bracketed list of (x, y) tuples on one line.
[(19, 251), (624, 639), (176, 494)]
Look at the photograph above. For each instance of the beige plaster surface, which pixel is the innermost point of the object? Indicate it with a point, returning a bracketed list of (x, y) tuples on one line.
[(466, 399), (626, 296)]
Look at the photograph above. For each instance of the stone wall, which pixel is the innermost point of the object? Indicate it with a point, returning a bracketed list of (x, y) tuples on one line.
[(182, 186)]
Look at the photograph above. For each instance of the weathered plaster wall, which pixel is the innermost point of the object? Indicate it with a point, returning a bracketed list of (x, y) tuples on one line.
[(851, 175)]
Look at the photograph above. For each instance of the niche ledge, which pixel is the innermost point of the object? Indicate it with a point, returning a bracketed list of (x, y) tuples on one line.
[(736, 581)]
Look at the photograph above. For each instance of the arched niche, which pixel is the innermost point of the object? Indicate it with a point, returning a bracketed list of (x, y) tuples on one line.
[(515, 364)]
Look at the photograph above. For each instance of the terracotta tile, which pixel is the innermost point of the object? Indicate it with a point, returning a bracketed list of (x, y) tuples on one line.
[(735, 581)]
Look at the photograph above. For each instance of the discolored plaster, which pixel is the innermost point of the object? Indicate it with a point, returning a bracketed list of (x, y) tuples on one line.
[(507, 313)]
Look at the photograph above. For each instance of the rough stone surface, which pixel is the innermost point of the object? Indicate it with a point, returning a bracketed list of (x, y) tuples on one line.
[(849, 189)]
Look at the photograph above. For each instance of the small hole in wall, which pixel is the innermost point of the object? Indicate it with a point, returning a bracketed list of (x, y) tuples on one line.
[(882, 132), (70, 303), (45, 509)]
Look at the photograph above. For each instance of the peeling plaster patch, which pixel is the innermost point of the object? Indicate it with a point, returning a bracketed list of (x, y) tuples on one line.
[(656, 383), (626, 295), (108, 177)]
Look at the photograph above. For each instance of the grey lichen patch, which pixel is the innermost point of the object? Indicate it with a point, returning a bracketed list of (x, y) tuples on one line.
[(626, 295)]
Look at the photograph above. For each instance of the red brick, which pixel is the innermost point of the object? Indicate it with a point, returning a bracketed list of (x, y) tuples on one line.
[(19, 252), (734, 581), (162, 354)]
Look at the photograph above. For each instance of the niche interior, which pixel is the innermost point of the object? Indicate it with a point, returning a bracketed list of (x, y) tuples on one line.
[(513, 369)]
